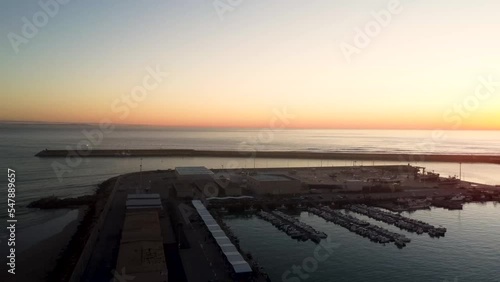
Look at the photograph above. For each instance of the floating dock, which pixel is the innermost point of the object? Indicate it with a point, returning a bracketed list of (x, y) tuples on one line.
[(315, 235), (404, 223), (374, 233), (292, 227)]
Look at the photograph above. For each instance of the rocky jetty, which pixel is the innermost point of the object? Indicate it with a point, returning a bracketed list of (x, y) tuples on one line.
[(53, 202)]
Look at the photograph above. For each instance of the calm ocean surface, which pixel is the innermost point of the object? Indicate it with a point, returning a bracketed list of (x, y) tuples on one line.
[(470, 251), (36, 178)]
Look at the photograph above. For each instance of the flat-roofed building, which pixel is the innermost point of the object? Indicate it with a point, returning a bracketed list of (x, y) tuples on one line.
[(230, 186), (217, 188), (233, 189), (143, 196), (143, 201), (141, 252), (145, 260), (191, 173), (208, 188), (141, 225), (184, 189), (274, 184)]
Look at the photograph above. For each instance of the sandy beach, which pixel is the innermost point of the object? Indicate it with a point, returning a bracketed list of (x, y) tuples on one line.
[(37, 261)]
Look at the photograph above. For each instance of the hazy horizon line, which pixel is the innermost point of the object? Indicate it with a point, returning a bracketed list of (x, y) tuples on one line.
[(228, 127)]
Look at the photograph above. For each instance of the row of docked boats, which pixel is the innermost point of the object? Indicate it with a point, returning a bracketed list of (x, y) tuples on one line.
[(315, 234), (290, 229), (404, 223), (374, 233)]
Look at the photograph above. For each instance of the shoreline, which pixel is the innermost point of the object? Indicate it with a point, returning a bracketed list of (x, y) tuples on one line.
[(36, 262), (404, 157), (52, 258)]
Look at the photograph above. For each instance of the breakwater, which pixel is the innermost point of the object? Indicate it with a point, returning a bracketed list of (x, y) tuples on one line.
[(404, 223), (495, 159)]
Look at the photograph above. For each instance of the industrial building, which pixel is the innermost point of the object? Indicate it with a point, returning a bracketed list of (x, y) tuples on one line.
[(141, 247), (191, 173), (143, 201), (207, 188), (232, 185), (240, 268), (274, 184), (184, 189), (233, 189)]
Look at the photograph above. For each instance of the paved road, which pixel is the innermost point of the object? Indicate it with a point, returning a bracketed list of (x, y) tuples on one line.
[(103, 259)]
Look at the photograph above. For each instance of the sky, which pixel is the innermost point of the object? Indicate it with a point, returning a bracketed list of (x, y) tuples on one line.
[(327, 63)]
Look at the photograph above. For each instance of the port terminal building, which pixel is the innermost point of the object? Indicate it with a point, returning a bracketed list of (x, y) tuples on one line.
[(274, 184), (190, 180), (199, 178), (183, 189), (191, 173)]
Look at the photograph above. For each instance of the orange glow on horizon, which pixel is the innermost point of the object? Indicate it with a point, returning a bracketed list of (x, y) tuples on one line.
[(300, 122), (410, 76)]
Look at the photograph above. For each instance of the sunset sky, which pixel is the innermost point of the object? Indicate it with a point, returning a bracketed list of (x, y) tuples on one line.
[(236, 66)]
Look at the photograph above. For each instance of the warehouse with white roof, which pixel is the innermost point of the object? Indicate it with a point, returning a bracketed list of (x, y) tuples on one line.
[(240, 267)]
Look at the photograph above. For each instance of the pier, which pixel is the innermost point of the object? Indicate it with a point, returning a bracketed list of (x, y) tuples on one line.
[(316, 236), (404, 223), (374, 233), (292, 227)]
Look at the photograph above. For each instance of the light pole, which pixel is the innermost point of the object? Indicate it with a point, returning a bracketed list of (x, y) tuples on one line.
[(460, 176), (140, 177)]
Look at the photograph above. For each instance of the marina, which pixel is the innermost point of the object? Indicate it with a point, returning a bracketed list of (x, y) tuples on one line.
[(250, 141), (404, 223), (315, 235), (374, 233), (292, 227), (363, 259)]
